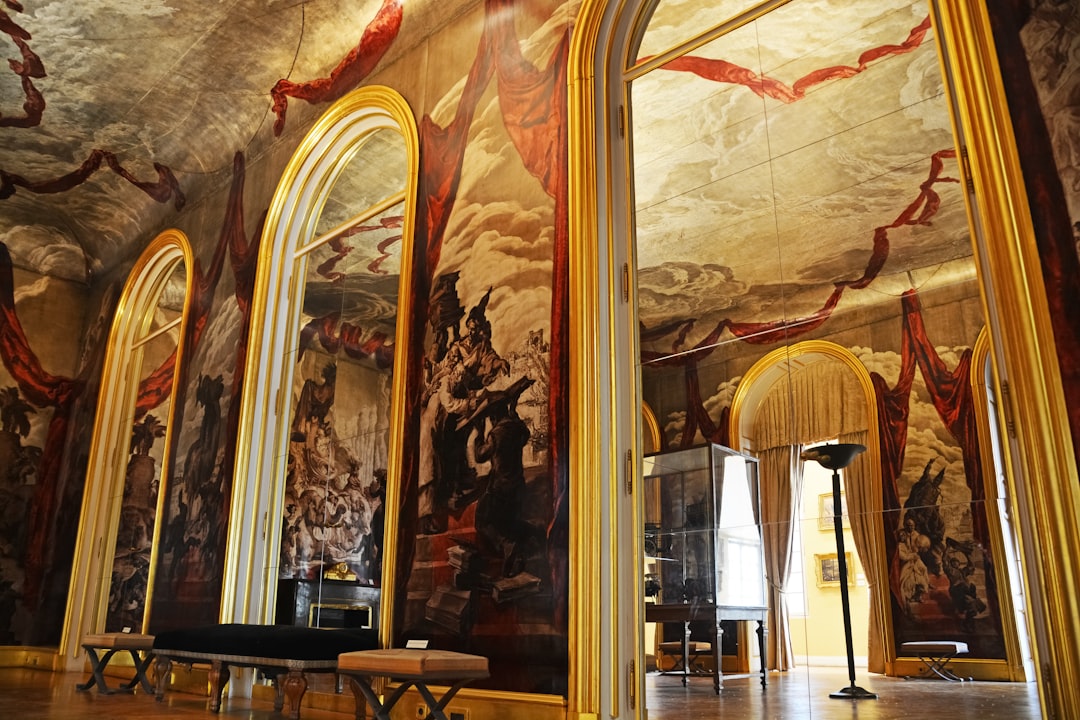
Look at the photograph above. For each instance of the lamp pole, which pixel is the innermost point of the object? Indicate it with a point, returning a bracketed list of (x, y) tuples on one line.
[(834, 457)]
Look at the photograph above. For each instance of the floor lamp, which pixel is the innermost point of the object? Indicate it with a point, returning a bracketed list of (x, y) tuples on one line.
[(835, 457)]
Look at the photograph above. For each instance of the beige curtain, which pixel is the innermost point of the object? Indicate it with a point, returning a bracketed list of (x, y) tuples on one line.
[(868, 544), (818, 401), (781, 484)]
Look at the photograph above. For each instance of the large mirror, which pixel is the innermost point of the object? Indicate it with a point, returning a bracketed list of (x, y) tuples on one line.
[(802, 245), (330, 566)]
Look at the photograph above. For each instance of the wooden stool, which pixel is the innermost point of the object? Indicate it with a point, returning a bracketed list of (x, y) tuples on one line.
[(685, 659), (114, 642), (412, 668), (936, 655)]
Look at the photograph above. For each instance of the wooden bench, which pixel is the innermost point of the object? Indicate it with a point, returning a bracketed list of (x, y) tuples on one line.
[(411, 668), (282, 652), (112, 643), (936, 656)]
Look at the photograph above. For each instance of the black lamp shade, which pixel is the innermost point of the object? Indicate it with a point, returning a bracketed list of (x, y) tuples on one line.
[(833, 457)]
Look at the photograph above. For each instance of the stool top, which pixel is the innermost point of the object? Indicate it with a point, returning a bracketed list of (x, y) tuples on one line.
[(118, 641), (935, 646), (414, 664)]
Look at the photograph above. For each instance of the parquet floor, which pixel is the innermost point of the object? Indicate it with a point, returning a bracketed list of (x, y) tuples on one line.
[(799, 695)]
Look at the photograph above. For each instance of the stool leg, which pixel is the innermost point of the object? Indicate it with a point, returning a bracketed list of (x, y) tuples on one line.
[(362, 690), (97, 669), (438, 707)]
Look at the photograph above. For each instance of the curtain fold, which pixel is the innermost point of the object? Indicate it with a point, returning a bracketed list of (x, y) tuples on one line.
[(817, 401), (781, 485), (868, 544)]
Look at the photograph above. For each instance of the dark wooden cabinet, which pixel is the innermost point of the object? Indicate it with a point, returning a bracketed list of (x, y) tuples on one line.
[(327, 604)]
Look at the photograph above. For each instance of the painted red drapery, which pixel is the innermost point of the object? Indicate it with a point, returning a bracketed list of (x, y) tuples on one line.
[(377, 38), (350, 338), (723, 71), (42, 389)]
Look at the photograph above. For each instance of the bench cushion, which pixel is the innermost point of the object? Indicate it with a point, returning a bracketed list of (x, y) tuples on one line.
[(118, 641), (405, 662), (267, 641)]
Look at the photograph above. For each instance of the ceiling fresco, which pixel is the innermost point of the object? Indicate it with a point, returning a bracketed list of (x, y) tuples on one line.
[(116, 114), (791, 168)]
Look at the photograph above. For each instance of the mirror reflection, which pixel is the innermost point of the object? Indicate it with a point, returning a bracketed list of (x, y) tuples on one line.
[(331, 555), (805, 276)]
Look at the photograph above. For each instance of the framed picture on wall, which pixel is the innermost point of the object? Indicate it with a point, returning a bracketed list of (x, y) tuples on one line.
[(827, 569), (826, 511)]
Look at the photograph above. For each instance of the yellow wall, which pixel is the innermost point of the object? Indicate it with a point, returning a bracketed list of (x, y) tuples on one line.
[(818, 638)]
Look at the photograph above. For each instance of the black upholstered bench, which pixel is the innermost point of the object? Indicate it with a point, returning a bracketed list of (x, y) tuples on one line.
[(283, 652)]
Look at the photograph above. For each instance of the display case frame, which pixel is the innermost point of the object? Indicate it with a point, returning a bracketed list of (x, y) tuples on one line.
[(704, 557)]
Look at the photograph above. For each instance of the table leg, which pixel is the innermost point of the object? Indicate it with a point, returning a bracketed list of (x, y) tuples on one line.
[(718, 659), (761, 632)]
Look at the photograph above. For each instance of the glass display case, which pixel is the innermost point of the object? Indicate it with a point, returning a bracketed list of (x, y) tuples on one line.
[(704, 561)]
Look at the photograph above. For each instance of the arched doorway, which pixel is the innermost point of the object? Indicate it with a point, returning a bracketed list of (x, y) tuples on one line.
[(608, 54)]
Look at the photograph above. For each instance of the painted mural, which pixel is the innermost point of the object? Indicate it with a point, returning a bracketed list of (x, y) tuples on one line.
[(335, 486), (483, 541), (135, 534)]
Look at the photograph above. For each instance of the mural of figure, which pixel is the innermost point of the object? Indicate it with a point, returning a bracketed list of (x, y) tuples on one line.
[(922, 507), (314, 403), (914, 579), (499, 507), (473, 352), (963, 592), (457, 378), (447, 469), (13, 412)]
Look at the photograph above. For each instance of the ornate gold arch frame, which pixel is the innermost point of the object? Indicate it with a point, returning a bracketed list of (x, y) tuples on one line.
[(99, 517)]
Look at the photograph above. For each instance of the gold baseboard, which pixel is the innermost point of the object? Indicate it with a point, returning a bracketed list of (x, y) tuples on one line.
[(41, 658)]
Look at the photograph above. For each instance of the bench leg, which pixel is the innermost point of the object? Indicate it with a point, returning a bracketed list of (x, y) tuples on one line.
[(219, 676), (295, 686), (164, 669)]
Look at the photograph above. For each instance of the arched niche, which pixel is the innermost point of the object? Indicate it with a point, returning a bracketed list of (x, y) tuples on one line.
[(800, 395), (130, 447), (338, 234)]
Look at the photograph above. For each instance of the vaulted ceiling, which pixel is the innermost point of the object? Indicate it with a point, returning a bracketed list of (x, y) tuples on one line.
[(114, 115)]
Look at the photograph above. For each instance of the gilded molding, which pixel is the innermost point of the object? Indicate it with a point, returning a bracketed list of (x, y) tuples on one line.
[(586, 418), (290, 224), (979, 362), (99, 516), (1014, 298)]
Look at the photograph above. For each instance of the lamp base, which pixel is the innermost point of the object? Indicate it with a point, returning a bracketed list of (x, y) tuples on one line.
[(853, 692)]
